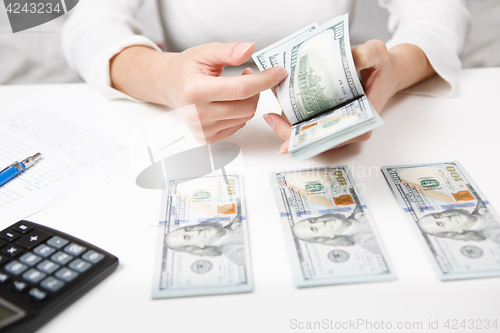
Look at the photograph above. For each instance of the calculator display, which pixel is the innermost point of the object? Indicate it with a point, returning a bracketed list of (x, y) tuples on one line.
[(6, 314), (9, 314)]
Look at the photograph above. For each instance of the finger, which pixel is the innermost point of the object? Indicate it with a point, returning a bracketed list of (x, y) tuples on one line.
[(247, 71), (221, 125), (363, 137), (228, 54), (281, 126), (239, 87), (234, 109), (224, 133), (369, 55), (284, 148)]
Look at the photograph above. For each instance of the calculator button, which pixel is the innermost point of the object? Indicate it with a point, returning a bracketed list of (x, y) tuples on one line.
[(93, 257), (61, 258), (12, 251), (33, 275), (4, 278), (32, 239), (44, 250), (48, 266), (19, 286), (30, 259), (74, 249), (9, 235), (15, 267), (22, 228), (66, 274), (2, 243), (37, 295), (3, 259), (57, 242), (79, 265), (52, 284)]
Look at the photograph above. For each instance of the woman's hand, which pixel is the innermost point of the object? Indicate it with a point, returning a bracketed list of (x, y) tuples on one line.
[(223, 104), (383, 73)]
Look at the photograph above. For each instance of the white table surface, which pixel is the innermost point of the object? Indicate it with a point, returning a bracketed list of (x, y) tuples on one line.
[(120, 217)]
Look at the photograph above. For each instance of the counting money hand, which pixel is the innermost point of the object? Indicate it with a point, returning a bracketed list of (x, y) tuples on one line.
[(460, 229), (203, 240), (322, 95), (330, 236)]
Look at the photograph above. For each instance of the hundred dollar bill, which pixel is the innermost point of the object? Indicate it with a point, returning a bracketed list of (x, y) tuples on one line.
[(272, 55), (328, 130), (321, 72), (459, 228), (330, 235), (322, 94), (203, 246)]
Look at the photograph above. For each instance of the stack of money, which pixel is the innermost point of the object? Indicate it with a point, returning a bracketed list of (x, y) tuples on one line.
[(322, 95), (330, 235)]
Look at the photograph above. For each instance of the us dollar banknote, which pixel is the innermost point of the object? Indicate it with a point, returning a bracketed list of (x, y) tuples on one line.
[(330, 235), (458, 227), (203, 246), (271, 56), (321, 72), (322, 95)]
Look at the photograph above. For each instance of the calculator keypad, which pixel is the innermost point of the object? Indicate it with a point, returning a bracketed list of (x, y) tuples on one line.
[(9, 235), (57, 242), (29, 241), (22, 228), (93, 257), (40, 263), (30, 259), (48, 266), (74, 249), (34, 276), (15, 267), (44, 250), (4, 278), (61, 258), (11, 251), (79, 265), (19, 286), (66, 274)]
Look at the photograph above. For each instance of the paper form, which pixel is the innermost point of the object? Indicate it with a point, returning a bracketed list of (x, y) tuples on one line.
[(71, 157)]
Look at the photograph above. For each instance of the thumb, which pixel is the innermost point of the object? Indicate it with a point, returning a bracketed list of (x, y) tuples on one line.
[(229, 54), (279, 124), (282, 127), (369, 55)]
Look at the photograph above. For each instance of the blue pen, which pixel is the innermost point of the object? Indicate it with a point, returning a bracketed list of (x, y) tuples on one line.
[(16, 168)]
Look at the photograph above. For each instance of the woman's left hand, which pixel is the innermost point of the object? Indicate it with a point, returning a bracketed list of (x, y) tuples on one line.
[(383, 73)]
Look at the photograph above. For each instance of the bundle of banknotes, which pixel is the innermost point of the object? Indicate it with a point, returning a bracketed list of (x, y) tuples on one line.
[(203, 245), (322, 96)]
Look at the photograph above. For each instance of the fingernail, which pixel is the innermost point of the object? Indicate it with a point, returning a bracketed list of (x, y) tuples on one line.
[(268, 120), (283, 152), (242, 48), (282, 75)]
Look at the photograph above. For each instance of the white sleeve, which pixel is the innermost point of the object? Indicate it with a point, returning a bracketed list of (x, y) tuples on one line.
[(439, 28), (96, 31)]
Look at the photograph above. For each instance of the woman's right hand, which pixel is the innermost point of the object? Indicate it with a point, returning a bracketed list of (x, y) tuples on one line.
[(223, 104)]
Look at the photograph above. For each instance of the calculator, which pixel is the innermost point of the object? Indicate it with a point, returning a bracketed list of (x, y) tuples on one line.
[(42, 271)]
